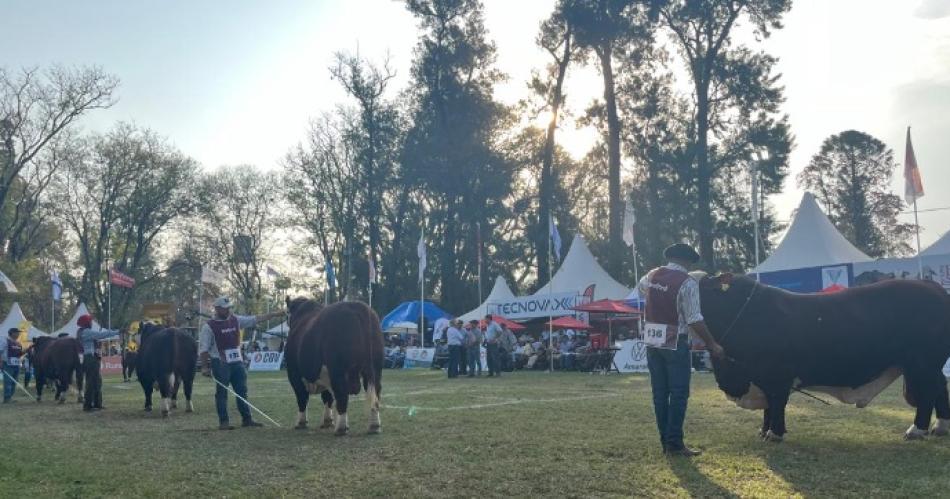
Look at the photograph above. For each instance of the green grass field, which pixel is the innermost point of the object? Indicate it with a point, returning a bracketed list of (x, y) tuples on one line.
[(523, 435)]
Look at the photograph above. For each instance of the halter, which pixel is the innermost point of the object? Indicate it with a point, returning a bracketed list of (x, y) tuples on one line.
[(755, 285)]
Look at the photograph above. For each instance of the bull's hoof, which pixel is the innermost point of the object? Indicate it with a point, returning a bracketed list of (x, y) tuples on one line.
[(327, 423), (374, 429), (301, 426), (913, 434), (342, 432), (773, 437), (941, 428)]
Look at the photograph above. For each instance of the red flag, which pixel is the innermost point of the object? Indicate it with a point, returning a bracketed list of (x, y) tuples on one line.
[(119, 279), (913, 185)]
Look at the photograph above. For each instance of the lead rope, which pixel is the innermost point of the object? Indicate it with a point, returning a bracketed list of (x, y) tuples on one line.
[(739, 315)]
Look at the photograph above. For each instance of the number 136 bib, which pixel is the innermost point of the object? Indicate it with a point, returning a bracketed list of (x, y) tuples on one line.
[(660, 335)]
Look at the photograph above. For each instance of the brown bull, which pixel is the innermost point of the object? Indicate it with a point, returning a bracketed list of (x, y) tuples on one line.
[(56, 359), (330, 350)]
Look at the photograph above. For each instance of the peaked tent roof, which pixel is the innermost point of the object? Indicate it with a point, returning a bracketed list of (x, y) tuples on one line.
[(499, 292), (70, 327), (941, 247), (279, 330), (14, 319), (811, 241), (579, 270)]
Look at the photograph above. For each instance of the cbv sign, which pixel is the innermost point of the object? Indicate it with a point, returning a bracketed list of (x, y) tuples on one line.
[(553, 305)]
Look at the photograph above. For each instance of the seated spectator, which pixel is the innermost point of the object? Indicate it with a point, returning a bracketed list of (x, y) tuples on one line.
[(567, 353)]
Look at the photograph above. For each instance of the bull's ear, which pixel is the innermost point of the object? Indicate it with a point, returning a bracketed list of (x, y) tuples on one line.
[(725, 280)]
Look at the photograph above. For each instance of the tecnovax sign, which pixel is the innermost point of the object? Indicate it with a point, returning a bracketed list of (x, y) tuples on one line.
[(552, 305)]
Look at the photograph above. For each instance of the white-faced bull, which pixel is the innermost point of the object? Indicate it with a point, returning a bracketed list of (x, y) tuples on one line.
[(329, 351), (167, 358), (851, 345)]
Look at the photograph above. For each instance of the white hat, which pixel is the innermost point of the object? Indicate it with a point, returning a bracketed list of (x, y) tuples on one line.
[(223, 302)]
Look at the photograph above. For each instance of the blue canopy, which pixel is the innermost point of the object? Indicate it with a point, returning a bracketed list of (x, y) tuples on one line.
[(408, 311)]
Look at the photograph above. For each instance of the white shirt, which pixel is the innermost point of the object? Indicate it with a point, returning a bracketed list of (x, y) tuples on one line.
[(454, 336), (206, 337), (687, 299), (493, 332)]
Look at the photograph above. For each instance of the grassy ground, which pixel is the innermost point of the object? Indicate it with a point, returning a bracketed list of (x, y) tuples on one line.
[(524, 435)]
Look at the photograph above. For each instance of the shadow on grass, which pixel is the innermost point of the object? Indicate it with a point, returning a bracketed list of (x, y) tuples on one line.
[(694, 481)]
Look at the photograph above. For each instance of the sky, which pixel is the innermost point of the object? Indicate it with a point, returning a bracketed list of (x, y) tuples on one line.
[(236, 81)]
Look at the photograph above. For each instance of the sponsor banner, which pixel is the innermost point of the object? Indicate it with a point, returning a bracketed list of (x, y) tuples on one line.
[(527, 307), (936, 268), (632, 357), (111, 364), (834, 276), (265, 361), (419, 357)]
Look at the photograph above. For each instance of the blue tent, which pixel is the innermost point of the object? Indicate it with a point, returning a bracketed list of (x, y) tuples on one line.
[(408, 311)]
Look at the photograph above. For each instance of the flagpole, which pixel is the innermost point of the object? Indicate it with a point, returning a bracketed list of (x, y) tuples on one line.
[(478, 248), (920, 261), (109, 306), (550, 296), (422, 298)]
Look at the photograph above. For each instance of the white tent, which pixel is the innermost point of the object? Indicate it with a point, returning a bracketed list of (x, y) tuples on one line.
[(811, 241), (941, 247), (281, 329), (500, 292), (70, 327), (580, 270), (14, 319)]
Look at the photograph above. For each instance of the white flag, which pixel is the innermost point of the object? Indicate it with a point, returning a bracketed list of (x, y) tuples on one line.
[(7, 283), (211, 276), (555, 238), (372, 272), (629, 220), (421, 251)]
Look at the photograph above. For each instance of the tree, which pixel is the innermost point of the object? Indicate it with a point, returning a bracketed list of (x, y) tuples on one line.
[(734, 98), (238, 206), (607, 28), (851, 177), (556, 37), (451, 152), (35, 108), (118, 192)]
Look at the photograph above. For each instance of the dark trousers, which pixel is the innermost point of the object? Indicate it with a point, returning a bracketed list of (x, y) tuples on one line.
[(9, 387), (474, 360), (455, 358), (27, 376), (494, 360), (669, 378), (463, 360), (230, 374), (93, 382)]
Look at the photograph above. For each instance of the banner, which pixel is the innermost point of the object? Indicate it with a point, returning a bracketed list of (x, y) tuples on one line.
[(632, 357), (111, 364), (265, 361), (936, 268), (119, 279), (419, 357), (527, 307)]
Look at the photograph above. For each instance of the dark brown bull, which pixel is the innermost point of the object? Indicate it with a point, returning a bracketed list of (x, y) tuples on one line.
[(167, 357), (55, 361), (850, 345), (330, 350)]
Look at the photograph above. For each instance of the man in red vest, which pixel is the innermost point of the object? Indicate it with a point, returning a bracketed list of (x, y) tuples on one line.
[(219, 347), (672, 312)]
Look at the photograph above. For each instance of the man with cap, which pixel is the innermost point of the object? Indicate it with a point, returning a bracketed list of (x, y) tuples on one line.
[(10, 353), (88, 339), (219, 347), (672, 312)]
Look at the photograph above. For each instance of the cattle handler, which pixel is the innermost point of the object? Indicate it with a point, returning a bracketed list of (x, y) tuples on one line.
[(90, 360), (219, 348), (672, 311)]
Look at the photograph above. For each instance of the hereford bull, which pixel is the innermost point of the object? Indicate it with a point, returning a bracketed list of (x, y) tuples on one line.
[(56, 360), (330, 350), (851, 345), (167, 357)]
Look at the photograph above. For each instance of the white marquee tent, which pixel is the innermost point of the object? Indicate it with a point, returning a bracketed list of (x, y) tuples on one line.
[(70, 328), (14, 319), (500, 292), (579, 270), (811, 241), (940, 247)]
